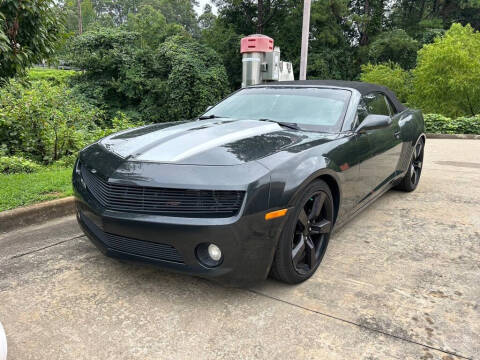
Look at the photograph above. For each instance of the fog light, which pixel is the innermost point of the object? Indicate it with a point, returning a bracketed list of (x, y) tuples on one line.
[(214, 252), (209, 254)]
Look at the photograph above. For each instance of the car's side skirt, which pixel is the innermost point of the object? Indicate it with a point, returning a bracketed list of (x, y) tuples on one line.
[(363, 206)]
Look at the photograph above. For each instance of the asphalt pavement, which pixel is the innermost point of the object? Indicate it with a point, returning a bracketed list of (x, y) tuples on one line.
[(400, 281)]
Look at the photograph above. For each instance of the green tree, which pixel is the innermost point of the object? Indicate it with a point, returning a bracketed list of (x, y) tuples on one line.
[(447, 77), (368, 17), (177, 12), (418, 17), (331, 53), (116, 10), (390, 75), (253, 16), (226, 42), (152, 26), (207, 19), (394, 46), (28, 34), (70, 9)]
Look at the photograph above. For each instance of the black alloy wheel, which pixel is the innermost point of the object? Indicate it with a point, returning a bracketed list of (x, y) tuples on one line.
[(416, 164), (309, 241), (305, 236), (412, 177)]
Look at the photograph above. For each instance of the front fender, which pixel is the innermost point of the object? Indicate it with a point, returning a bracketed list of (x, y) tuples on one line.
[(294, 175)]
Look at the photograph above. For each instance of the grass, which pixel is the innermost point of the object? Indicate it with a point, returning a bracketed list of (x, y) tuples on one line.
[(53, 75), (25, 189)]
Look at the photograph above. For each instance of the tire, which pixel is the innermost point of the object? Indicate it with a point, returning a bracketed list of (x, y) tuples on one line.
[(412, 177), (305, 236)]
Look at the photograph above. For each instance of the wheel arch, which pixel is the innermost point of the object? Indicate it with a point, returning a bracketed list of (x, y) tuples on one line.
[(335, 190), (333, 183)]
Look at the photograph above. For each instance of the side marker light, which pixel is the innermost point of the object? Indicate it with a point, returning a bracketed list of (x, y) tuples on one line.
[(275, 214)]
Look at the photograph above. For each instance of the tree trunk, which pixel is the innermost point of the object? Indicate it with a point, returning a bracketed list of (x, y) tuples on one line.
[(80, 20), (260, 16)]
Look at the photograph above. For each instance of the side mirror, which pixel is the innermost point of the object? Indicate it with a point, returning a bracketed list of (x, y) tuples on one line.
[(208, 108), (372, 122)]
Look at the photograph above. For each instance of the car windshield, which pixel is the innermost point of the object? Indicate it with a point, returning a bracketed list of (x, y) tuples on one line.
[(319, 109)]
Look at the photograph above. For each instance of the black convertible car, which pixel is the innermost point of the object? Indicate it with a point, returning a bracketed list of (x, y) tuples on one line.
[(253, 187)]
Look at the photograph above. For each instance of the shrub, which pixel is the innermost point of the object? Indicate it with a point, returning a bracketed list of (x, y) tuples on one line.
[(176, 80), (54, 76), (447, 77), (65, 162), (45, 121), (17, 164), (118, 123), (390, 75), (196, 78), (439, 124)]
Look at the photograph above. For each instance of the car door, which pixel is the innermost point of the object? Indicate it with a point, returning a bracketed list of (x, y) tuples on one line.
[(380, 156)]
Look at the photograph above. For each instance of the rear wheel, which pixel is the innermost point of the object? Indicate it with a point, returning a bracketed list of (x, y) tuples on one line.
[(305, 236), (412, 177)]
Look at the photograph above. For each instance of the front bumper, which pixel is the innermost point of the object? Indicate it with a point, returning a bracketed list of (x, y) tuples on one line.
[(247, 242)]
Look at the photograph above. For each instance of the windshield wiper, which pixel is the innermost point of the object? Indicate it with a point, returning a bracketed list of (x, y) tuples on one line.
[(283, 123), (205, 117)]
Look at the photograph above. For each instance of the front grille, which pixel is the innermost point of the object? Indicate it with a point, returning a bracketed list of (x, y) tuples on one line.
[(163, 201), (133, 246)]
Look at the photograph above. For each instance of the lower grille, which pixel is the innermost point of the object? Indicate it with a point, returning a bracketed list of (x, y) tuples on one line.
[(133, 246)]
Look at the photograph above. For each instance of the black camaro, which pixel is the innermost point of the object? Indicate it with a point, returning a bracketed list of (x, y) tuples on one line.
[(255, 185)]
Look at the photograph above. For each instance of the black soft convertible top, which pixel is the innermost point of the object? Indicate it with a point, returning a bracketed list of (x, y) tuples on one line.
[(362, 87)]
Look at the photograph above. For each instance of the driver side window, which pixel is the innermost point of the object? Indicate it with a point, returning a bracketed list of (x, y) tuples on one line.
[(373, 103), (376, 104)]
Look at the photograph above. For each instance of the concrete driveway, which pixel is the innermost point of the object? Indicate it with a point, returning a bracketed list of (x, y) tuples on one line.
[(401, 281)]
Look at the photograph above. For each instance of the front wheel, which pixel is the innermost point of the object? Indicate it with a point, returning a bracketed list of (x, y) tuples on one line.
[(304, 239)]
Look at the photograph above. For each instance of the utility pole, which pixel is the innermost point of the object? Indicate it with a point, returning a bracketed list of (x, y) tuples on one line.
[(80, 20), (305, 34)]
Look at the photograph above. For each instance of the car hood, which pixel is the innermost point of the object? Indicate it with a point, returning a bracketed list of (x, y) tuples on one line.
[(209, 142)]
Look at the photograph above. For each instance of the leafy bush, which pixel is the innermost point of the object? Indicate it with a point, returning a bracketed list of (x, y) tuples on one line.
[(45, 121), (54, 76), (394, 46), (447, 77), (439, 124), (118, 123), (195, 79), (65, 162), (390, 75), (176, 80), (17, 164)]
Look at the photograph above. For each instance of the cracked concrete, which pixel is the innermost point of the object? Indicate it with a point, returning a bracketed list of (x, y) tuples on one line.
[(401, 281)]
